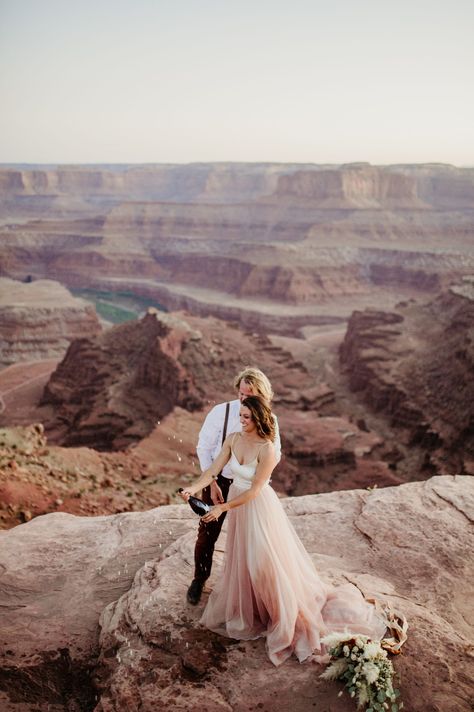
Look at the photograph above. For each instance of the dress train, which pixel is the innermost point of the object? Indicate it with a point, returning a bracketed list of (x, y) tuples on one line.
[(270, 586)]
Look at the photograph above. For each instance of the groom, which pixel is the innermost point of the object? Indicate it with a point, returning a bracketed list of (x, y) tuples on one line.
[(222, 420)]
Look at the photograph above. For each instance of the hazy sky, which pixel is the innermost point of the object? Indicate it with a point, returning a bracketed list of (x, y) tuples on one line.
[(247, 80)]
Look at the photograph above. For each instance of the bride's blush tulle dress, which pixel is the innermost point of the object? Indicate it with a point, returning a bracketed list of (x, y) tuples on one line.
[(270, 586)]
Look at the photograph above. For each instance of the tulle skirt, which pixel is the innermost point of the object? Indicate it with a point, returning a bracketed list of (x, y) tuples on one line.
[(271, 588)]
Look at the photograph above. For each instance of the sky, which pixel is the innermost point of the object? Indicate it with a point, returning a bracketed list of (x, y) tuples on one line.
[(179, 81)]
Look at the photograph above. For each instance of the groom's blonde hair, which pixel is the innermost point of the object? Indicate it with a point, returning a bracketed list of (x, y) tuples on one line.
[(258, 381)]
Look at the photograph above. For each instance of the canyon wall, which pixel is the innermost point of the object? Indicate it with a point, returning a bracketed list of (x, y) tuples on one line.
[(417, 366), (38, 320), (162, 373), (351, 187), (346, 185), (191, 182), (110, 390), (263, 234)]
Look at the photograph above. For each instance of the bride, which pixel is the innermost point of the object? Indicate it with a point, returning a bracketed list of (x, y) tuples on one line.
[(270, 586)]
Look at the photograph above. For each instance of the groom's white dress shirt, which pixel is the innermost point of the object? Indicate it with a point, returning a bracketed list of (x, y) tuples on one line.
[(210, 435)]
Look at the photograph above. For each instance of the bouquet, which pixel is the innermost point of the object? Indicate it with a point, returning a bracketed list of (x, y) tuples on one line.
[(365, 669)]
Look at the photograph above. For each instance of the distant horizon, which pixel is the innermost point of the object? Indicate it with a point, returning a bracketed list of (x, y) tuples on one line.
[(75, 164), (137, 82)]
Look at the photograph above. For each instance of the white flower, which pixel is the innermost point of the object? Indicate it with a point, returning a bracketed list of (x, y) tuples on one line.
[(370, 671), (346, 650), (372, 650), (359, 642), (333, 639)]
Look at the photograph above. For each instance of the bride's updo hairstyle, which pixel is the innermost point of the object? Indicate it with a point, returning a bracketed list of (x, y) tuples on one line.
[(262, 416)]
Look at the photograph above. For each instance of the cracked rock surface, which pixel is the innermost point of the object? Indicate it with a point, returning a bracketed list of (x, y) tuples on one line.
[(94, 617)]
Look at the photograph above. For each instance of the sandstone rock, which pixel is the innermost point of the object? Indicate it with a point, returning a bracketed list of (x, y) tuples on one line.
[(356, 186), (417, 365), (235, 240), (96, 377), (58, 572), (38, 320), (411, 545), (328, 453), (210, 182), (112, 390), (439, 185), (109, 391)]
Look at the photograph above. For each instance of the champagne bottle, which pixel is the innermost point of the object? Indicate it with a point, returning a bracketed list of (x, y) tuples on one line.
[(197, 505)]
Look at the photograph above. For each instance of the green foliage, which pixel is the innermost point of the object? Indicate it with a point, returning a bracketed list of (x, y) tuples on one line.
[(364, 668)]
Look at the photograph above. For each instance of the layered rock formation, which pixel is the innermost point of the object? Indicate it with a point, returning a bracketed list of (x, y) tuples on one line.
[(182, 183), (416, 364), (352, 186), (251, 238), (93, 611), (420, 185), (111, 390), (149, 383), (38, 320), (331, 453)]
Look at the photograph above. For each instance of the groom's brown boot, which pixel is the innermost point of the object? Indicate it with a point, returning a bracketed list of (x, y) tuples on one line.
[(194, 592)]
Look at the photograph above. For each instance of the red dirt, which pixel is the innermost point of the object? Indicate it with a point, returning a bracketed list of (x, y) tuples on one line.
[(21, 387)]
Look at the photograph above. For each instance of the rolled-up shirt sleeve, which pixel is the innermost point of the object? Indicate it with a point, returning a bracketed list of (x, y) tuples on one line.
[(277, 441), (209, 436)]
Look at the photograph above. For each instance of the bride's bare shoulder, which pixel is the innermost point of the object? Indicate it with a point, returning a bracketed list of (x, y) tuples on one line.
[(230, 438), (267, 449)]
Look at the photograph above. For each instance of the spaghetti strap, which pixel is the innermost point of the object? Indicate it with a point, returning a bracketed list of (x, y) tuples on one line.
[(255, 459), (232, 445), (260, 449)]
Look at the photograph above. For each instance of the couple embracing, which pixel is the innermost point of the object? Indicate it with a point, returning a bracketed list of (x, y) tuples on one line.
[(269, 587)]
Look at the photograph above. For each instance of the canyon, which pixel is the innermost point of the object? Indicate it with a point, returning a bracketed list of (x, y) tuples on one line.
[(279, 258), (351, 286), (388, 401), (274, 246), (122, 411)]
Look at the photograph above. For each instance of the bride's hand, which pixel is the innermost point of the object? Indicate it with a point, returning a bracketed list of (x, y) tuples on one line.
[(214, 514), (216, 493), (184, 494)]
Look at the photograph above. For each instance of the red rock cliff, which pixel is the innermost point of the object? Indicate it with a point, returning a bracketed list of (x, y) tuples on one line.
[(417, 366), (38, 320)]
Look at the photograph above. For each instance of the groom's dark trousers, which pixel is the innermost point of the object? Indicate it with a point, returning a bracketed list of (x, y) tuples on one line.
[(208, 533)]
